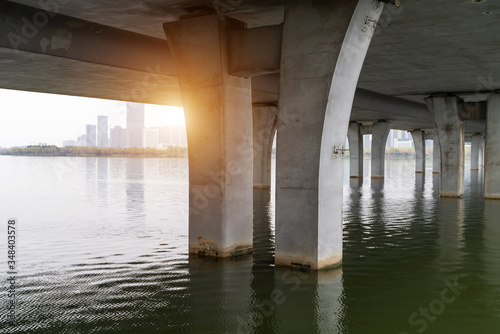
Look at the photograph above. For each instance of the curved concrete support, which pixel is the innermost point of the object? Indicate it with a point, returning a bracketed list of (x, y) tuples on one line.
[(450, 130), (419, 143), (324, 46), (355, 138), (264, 128), (476, 143), (492, 158), (380, 133), (436, 155), (218, 112)]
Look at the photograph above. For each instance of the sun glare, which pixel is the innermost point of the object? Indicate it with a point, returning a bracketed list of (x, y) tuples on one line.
[(158, 116)]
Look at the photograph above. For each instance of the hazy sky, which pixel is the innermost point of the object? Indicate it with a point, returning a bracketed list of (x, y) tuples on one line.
[(31, 118)]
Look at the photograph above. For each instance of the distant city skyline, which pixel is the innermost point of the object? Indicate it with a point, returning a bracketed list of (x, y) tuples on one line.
[(28, 118)]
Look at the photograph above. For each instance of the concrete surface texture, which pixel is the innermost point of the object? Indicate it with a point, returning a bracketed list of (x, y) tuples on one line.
[(324, 45), (436, 155), (218, 111), (380, 133), (476, 143), (492, 157), (419, 143), (264, 121), (450, 130), (356, 153)]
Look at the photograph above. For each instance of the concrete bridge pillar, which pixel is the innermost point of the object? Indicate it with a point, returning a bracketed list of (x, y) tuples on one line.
[(218, 111), (450, 129), (264, 128), (436, 155), (476, 143), (380, 133), (355, 137), (492, 156), (481, 152), (323, 49), (419, 143)]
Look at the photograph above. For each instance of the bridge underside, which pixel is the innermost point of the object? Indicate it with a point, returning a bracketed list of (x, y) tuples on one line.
[(309, 70)]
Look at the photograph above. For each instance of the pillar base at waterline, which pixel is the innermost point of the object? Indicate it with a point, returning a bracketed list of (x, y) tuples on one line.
[(208, 247), (494, 197), (304, 263)]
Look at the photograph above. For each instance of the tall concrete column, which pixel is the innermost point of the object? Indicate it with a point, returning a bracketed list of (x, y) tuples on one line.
[(264, 128), (492, 153), (419, 143), (481, 152), (476, 143), (436, 155), (324, 46), (380, 133), (218, 111), (450, 129), (355, 138)]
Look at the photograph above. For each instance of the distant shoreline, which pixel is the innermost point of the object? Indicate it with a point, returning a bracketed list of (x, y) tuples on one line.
[(104, 152)]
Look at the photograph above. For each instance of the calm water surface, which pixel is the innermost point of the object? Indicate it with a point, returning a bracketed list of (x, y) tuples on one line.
[(103, 249)]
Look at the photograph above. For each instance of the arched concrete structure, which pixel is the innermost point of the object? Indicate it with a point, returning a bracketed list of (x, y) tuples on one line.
[(324, 46)]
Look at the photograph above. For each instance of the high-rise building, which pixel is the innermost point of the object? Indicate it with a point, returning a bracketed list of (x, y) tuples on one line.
[(173, 136), (151, 137), (81, 141), (135, 124), (118, 137), (91, 135), (102, 131)]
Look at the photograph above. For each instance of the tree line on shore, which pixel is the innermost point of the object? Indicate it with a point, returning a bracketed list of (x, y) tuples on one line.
[(86, 151)]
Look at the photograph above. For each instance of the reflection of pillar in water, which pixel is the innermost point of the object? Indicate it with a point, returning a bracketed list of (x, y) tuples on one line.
[(491, 254), (308, 302), (134, 172), (220, 295), (102, 181), (451, 228), (263, 273), (91, 175), (329, 304)]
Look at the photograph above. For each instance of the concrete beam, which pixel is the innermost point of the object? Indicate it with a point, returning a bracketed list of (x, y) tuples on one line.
[(473, 110), (256, 51), (368, 100), (46, 32)]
